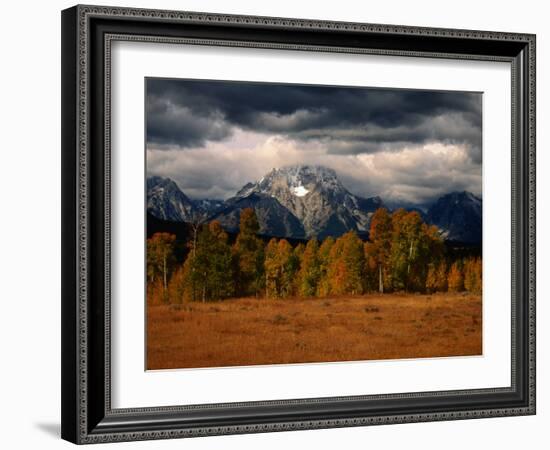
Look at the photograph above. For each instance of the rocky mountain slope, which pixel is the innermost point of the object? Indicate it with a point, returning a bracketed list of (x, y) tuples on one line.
[(304, 201), (166, 201), (311, 194), (459, 216)]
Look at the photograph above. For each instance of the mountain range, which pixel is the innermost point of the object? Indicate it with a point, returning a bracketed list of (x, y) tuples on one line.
[(304, 201), (458, 215)]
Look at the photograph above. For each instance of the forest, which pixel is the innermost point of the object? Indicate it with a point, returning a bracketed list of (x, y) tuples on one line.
[(402, 255)]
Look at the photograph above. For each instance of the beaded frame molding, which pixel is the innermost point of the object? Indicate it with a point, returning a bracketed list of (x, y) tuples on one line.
[(87, 35)]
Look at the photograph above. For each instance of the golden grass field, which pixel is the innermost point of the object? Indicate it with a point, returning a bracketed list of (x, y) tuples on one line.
[(258, 331)]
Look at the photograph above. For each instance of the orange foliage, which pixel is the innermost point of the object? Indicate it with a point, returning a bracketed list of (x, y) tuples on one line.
[(455, 278), (403, 254), (473, 275)]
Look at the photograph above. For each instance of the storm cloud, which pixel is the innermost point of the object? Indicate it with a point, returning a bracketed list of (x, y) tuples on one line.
[(212, 136)]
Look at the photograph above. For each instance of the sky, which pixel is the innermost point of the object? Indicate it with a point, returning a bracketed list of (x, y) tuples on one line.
[(406, 146)]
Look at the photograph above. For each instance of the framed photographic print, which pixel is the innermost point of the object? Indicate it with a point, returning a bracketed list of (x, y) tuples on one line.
[(267, 222)]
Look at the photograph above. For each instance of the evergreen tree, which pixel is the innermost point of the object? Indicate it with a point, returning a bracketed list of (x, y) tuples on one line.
[(294, 266), (288, 263), (310, 270), (271, 268), (200, 264), (220, 276), (249, 254), (208, 274), (323, 287), (403, 253)]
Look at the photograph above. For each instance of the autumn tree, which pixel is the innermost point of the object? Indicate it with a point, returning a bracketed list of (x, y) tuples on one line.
[(403, 253), (323, 286), (436, 280), (431, 282), (430, 249), (289, 265), (372, 282), (271, 269), (336, 269), (208, 274), (472, 275), (293, 268), (299, 251), (176, 286), (413, 246), (249, 254), (189, 281), (280, 268), (346, 265), (404, 246), (310, 270), (380, 235), (160, 260), (455, 278), (197, 262), (354, 258), (155, 293)]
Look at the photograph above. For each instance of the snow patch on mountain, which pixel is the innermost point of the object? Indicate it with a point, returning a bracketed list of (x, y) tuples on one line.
[(300, 191)]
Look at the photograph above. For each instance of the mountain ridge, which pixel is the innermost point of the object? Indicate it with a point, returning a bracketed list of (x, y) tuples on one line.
[(305, 201), (315, 196), (458, 215)]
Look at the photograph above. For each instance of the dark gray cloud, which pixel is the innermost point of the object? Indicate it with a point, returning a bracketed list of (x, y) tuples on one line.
[(411, 145), (188, 113), (177, 124)]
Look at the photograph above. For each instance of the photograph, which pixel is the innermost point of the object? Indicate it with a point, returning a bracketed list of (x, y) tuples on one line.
[(293, 223), (272, 222)]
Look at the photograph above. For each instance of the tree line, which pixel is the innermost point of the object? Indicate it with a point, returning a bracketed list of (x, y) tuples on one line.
[(402, 254)]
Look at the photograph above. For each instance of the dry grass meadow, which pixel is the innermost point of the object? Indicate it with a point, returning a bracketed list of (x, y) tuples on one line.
[(259, 331)]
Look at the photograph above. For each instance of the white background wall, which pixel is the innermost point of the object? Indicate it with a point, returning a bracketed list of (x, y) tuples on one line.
[(30, 223)]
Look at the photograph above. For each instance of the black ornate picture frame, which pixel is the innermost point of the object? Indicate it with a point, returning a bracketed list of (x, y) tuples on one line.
[(87, 35)]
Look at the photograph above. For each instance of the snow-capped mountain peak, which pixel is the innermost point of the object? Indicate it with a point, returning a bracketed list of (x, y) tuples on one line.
[(315, 196), (298, 179), (166, 201), (307, 201)]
